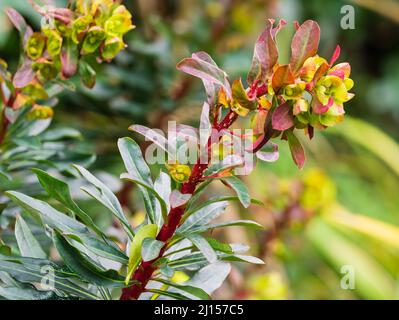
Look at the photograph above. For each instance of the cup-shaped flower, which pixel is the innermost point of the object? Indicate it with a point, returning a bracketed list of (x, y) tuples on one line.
[(111, 48), (35, 45), (119, 23), (94, 37)]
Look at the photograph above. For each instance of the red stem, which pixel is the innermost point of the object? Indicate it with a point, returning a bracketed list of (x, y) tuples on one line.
[(5, 122), (144, 272)]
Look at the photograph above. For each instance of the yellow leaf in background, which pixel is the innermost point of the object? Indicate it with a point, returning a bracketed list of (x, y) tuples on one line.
[(368, 226)]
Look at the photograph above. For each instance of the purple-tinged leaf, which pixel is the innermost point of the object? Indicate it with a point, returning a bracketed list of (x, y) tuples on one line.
[(265, 55), (282, 118), (282, 76), (319, 108), (297, 152), (269, 152), (155, 136), (178, 199), (202, 66), (304, 44), (19, 23), (24, 74), (69, 58)]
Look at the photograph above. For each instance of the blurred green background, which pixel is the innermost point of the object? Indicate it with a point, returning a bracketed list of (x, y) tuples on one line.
[(335, 221)]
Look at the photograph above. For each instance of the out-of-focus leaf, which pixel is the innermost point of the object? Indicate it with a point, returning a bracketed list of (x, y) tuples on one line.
[(371, 138), (372, 281), (59, 190), (24, 74), (105, 196), (69, 58), (83, 267), (373, 228), (87, 74)]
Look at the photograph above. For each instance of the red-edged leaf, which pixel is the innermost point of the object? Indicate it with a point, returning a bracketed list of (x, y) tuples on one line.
[(24, 74), (282, 77), (201, 65), (241, 96), (282, 118), (304, 44), (69, 58), (265, 56), (297, 152)]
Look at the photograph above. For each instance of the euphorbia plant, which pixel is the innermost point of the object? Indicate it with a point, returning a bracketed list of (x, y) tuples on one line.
[(307, 93)]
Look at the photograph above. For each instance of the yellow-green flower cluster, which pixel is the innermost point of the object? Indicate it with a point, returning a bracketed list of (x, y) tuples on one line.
[(95, 27), (179, 172), (329, 91)]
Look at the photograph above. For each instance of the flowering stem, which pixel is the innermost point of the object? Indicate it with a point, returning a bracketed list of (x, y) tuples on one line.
[(144, 272)]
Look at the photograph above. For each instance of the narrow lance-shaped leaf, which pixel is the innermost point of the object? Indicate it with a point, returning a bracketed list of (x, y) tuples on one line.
[(27, 243), (59, 190), (139, 170), (83, 267), (304, 44), (105, 196)]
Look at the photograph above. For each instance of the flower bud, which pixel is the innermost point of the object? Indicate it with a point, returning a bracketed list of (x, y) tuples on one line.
[(179, 172), (39, 112), (80, 26), (111, 48), (54, 43), (119, 23), (47, 69)]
